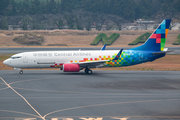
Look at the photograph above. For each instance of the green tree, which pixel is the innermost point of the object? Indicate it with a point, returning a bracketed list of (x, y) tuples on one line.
[(177, 5), (37, 26), (25, 23), (70, 21), (25, 7), (69, 5), (164, 7), (35, 7), (98, 26), (4, 24), (59, 23), (88, 25), (51, 6), (3, 5), (78, 24)]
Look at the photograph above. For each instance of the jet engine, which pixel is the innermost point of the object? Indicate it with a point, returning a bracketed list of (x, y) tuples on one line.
[(68, 67)]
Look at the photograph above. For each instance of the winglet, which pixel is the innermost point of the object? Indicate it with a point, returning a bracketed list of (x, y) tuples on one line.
[(104, 47), (118, 55)]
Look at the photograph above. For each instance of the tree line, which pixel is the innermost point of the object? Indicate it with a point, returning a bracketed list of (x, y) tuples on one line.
[(127, 9)]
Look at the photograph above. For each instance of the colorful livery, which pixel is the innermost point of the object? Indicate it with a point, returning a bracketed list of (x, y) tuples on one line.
[(74, 61)]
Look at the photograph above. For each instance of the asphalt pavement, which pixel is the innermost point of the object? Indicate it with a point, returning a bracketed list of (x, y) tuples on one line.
[(104, 95)]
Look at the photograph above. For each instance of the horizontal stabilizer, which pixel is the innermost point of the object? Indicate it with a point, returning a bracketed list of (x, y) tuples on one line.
[(163, 52), (165, 49)]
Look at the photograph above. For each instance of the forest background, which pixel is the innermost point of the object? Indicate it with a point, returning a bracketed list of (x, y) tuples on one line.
[(80, 14)]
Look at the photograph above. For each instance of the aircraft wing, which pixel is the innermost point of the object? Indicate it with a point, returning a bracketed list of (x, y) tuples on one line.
[(99, 63), (93, 64)]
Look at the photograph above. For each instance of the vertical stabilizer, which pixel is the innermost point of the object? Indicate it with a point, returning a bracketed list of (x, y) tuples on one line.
[(157, 40)]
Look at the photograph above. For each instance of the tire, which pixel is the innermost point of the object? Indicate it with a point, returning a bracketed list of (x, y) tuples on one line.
[(89, 72), (86, 71), (21, 72)]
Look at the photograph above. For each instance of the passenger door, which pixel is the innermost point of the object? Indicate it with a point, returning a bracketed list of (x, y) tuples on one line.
[(25, 61)]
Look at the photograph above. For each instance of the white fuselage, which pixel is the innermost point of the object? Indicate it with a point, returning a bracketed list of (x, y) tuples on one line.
[(48, 59)]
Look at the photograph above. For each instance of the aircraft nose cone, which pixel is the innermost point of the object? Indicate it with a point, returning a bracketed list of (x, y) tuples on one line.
[(7, 62)]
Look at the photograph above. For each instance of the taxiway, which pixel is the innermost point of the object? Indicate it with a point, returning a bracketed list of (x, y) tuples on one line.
[(104, 95)]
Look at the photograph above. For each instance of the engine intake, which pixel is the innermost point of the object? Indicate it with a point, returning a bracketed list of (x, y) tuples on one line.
[(71, 67)]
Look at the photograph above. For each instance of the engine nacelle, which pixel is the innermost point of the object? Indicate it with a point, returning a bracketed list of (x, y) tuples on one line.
[(68, 67)]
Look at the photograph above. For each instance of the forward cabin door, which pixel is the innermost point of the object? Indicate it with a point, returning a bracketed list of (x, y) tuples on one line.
[(25, 60)]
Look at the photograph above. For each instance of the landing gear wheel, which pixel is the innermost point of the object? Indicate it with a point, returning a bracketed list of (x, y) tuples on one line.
[(88, 71), (20, 72)]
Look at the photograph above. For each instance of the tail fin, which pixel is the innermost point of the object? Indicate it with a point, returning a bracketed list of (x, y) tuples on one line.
[(157, 40)]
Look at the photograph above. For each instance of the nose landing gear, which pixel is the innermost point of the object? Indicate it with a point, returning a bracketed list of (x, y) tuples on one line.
[(19, 69), (20, 72)]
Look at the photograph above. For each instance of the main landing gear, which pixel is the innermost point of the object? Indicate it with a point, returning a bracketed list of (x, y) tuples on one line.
[(88, 71)]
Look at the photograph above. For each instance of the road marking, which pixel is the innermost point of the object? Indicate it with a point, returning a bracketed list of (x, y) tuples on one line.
[(22, 98), (18, 113), (106, 104), (91, 118), (120, 118), (29, 80), (107, 94), (4, 88)]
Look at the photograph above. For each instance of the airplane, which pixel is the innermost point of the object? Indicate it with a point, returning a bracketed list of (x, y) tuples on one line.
[(74, 61)]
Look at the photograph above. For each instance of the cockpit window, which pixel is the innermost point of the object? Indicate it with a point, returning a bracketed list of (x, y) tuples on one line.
[(16, 57)]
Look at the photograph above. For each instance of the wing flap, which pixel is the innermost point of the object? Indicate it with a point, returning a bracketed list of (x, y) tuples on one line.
[(93, 64)]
